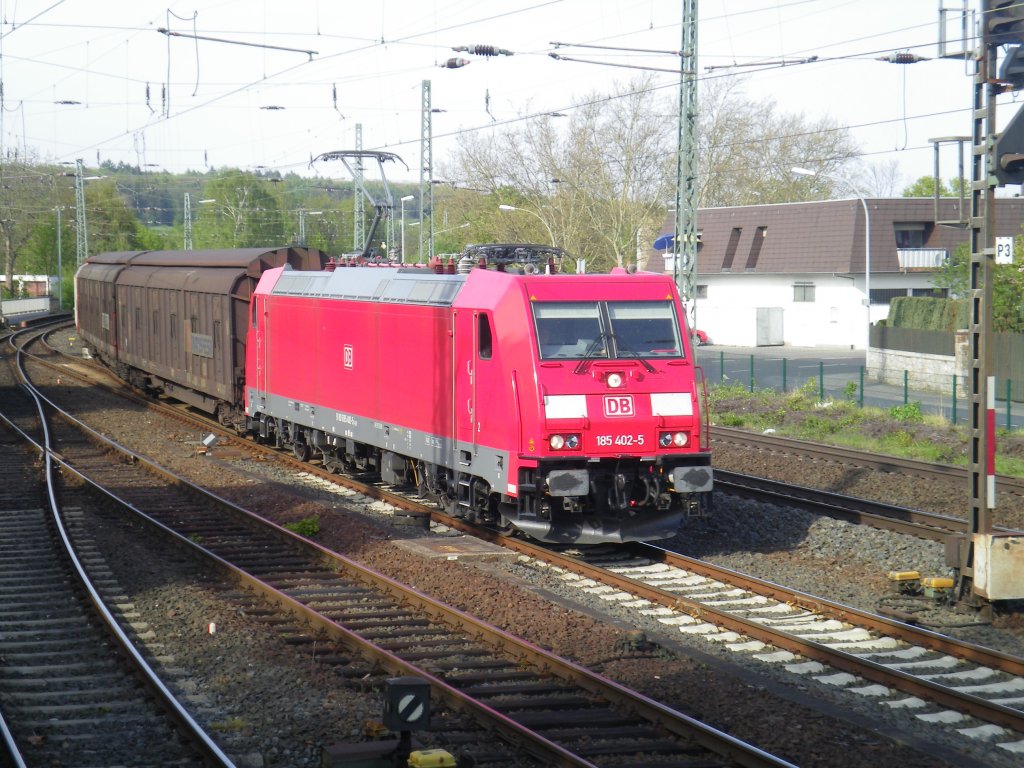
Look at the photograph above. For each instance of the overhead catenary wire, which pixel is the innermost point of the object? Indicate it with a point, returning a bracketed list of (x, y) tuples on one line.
[(282, 76)]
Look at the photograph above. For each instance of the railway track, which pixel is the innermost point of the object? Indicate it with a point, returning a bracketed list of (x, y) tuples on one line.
[(979, 690), (482, 674), (1005, 484), (964, 690), (967, 689), (72, 690), (934, 526)]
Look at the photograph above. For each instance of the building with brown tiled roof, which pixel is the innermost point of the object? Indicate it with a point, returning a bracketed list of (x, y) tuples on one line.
[(795, 274)]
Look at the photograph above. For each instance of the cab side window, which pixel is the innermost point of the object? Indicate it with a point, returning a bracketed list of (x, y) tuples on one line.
[(484, 337)]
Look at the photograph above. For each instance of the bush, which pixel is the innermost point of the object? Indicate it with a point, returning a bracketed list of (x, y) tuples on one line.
[(928, 314), (909, 413)]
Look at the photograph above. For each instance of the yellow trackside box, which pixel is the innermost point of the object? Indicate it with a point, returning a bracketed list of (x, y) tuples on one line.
[(905, 582), (431, 758), (937, 586)]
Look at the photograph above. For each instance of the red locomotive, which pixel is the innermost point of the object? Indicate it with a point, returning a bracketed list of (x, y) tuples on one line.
[(566, 407)]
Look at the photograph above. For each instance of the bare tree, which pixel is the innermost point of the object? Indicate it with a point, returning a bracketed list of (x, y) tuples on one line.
[(747, 149), (881, 179), (596, 185)]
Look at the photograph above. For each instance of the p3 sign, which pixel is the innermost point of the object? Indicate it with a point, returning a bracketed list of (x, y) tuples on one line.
[(1004, 250), (618, 405)]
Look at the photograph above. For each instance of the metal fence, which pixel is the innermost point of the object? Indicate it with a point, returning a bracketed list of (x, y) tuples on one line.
[(783, 369)]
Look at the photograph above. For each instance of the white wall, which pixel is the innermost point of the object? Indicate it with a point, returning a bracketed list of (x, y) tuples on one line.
[(836, 318)]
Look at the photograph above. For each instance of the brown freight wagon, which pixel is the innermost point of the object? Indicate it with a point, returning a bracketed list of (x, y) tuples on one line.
[(176, 321)]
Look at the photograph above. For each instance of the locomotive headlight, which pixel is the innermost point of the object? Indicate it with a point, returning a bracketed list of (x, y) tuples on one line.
[(673, 439), (614, 380), (564, 442)]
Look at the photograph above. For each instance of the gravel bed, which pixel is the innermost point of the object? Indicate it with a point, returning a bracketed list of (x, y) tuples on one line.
[(804, 722)]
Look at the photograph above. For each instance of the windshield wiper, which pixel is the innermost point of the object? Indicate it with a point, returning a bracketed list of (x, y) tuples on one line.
[(590, 353), (623, 351)]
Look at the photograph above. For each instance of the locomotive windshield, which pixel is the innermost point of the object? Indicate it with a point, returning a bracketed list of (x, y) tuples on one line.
[(607, 329)]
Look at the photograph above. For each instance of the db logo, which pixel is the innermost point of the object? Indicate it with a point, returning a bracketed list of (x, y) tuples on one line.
[(618, 405)]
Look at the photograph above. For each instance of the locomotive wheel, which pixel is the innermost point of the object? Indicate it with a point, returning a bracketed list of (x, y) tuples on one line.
[(300, 451)]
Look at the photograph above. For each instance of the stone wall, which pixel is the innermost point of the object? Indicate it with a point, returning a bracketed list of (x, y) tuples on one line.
[(922, 371)]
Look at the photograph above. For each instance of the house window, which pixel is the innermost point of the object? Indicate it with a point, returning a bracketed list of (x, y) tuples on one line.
[(930, 293), (884, 296), (730, 249), (701, 291), (755, 248), (909, 234), (803, 292)]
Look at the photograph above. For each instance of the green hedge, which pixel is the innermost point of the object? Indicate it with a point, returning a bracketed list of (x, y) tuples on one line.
[(928, 314)]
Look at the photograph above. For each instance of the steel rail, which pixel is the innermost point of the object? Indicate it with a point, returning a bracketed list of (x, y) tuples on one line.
[(199, 738), (913, 522), (875, 461)]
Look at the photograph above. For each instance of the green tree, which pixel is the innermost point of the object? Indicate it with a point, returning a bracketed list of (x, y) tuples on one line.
[(26, 191), (42, 254), (1007, 286), (111, 224), (244, 212), (925, 187), (955, 273)]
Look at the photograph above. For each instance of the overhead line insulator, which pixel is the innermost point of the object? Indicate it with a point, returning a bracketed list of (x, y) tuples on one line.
[(903, 58), (483, 50)]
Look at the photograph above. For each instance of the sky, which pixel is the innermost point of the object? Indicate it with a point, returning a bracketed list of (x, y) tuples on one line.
[(271, 85)]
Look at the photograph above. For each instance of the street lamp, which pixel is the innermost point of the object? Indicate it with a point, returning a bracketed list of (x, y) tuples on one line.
[(867, 244), (403, 201), (532, 213), (452, 229)]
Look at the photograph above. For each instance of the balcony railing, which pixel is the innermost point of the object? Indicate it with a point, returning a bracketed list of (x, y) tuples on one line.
[(921, 258)]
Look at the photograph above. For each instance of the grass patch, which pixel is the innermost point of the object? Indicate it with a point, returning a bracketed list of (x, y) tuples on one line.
[(901, 430), (231, 725), (308, 527)]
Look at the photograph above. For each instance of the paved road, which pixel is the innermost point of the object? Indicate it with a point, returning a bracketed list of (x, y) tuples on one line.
[(787, 368)]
